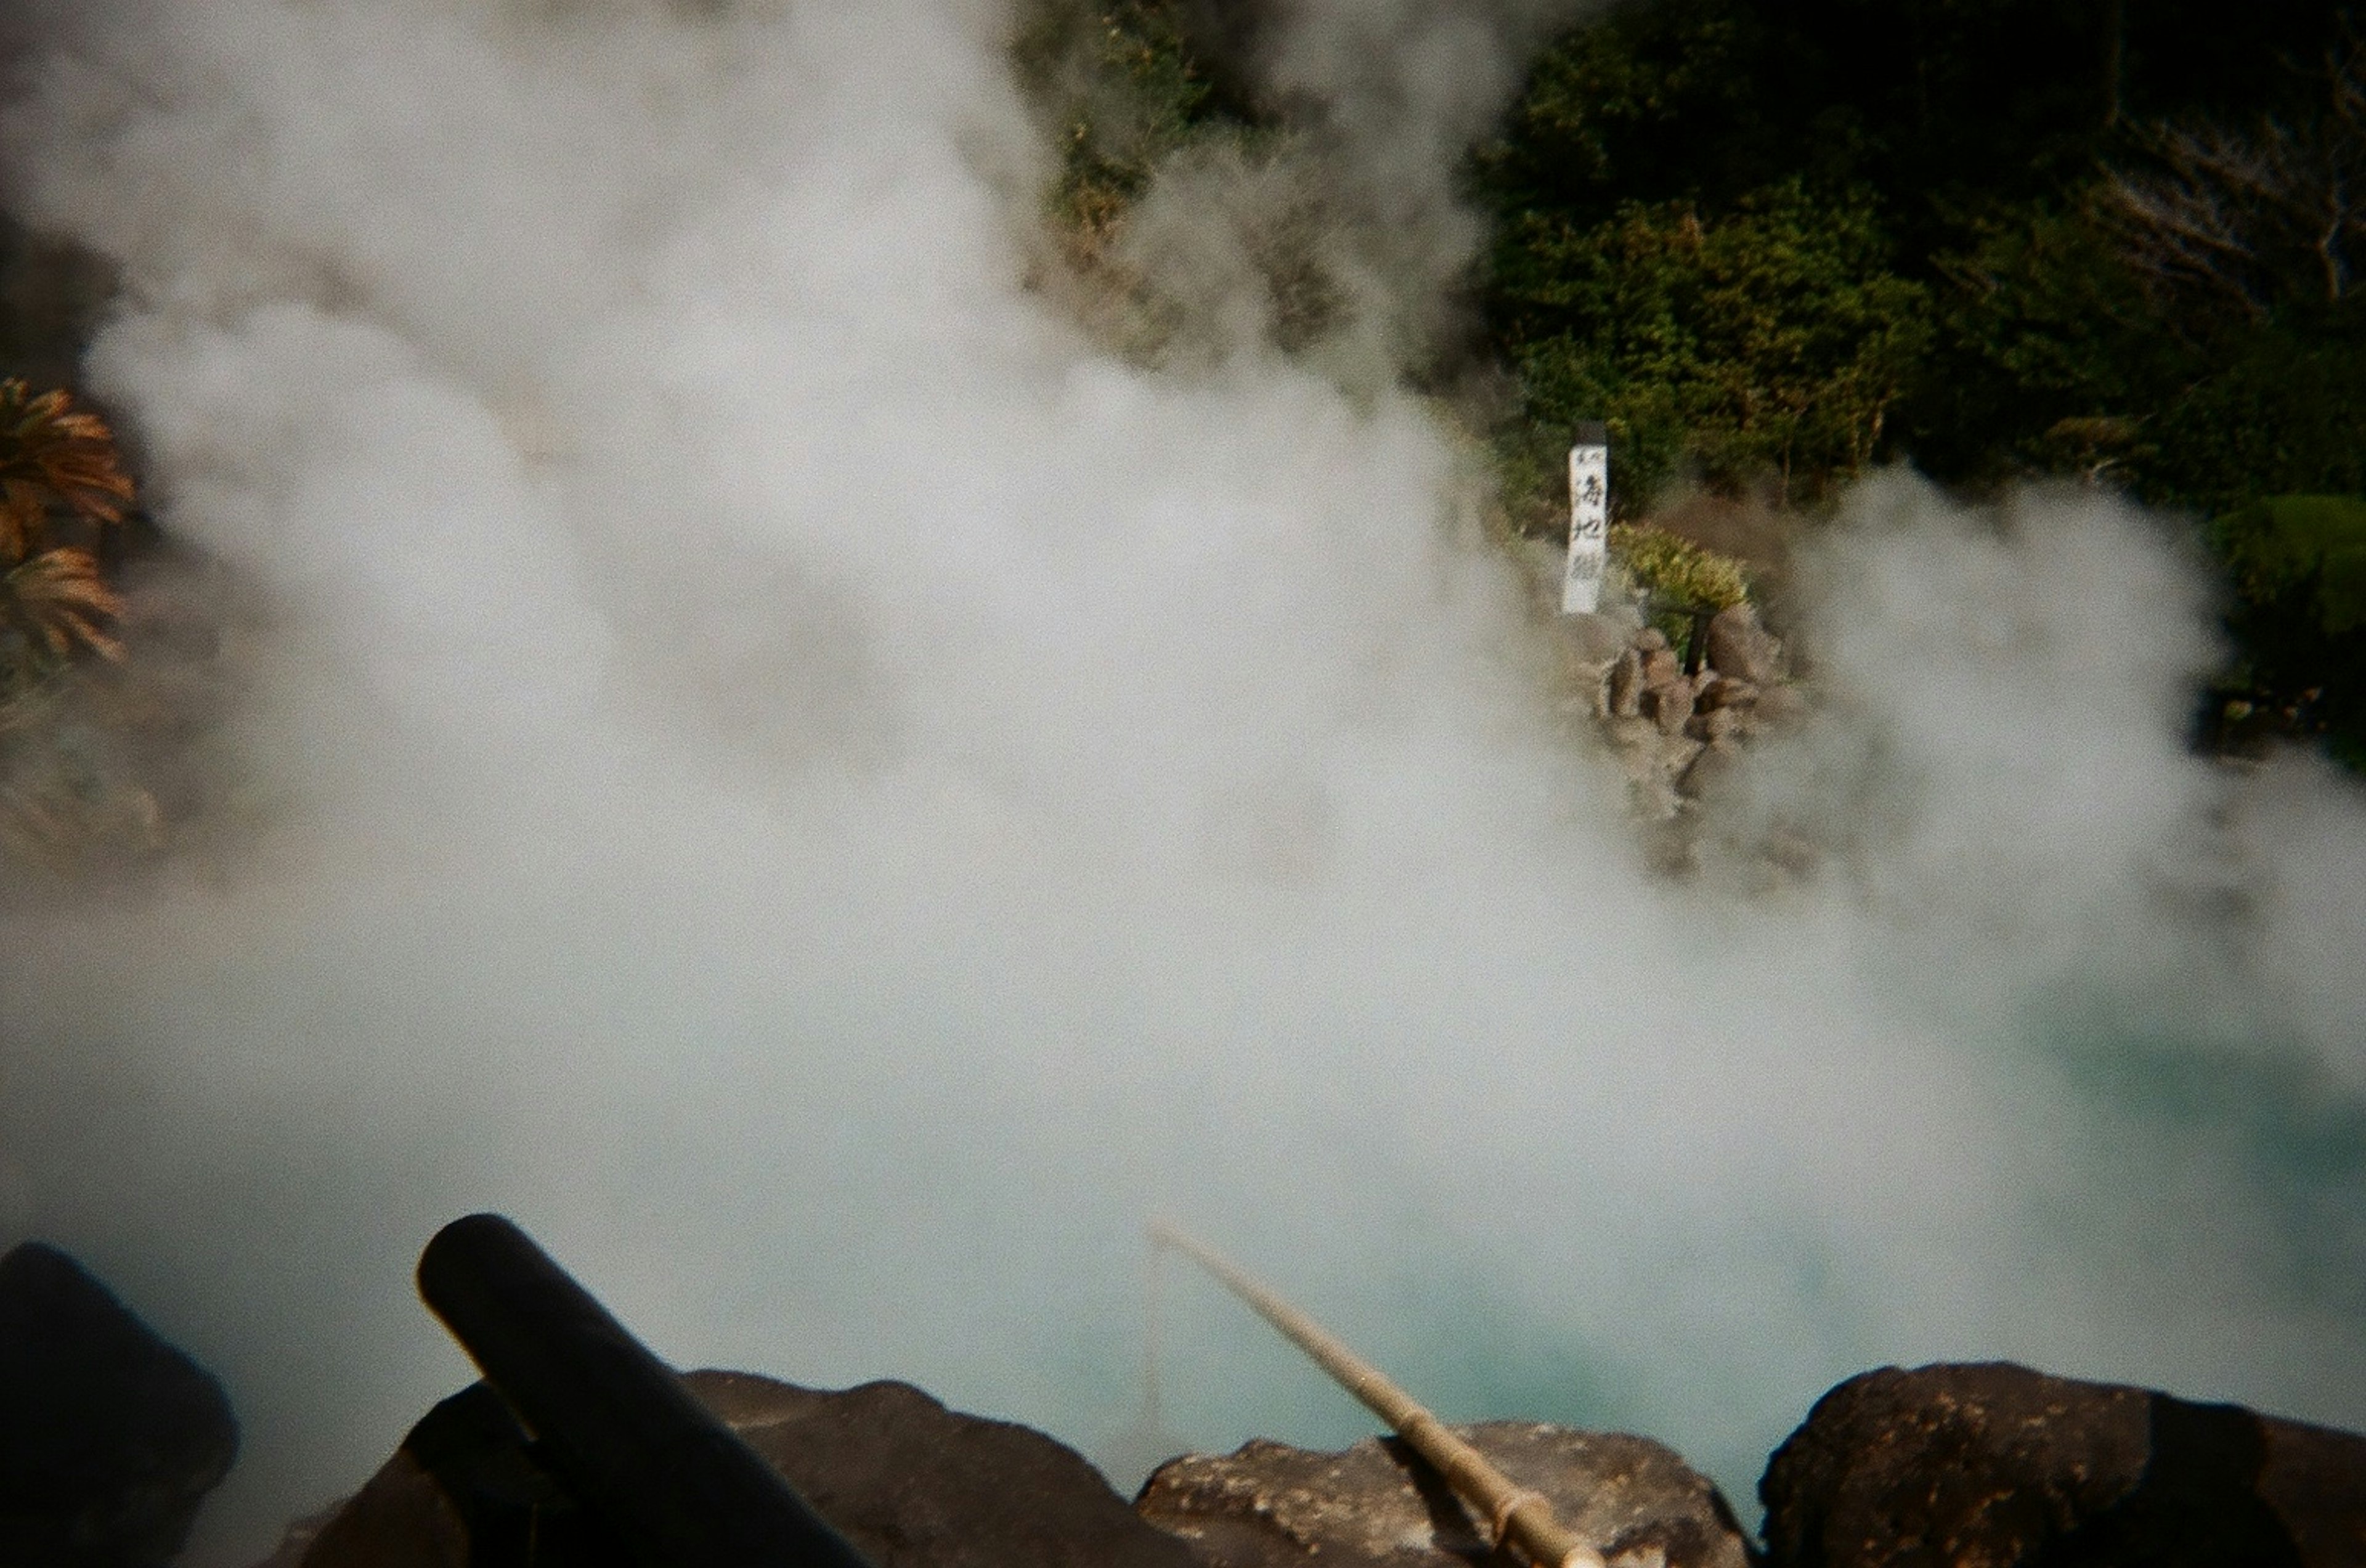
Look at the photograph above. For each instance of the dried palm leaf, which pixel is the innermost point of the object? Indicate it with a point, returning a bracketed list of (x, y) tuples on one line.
[(51, 451), (58, 600)]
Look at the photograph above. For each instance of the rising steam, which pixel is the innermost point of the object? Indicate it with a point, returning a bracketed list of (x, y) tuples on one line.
[(774, 757)]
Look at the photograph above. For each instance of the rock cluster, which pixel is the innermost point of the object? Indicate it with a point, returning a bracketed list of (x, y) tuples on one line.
[(2001, 1466), (908, 1483), (1681, 733), (1376, 1506), (110, 1438)]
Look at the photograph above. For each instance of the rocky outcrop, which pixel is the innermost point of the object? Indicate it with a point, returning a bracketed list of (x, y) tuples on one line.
[(909, 1482), (1267, 1506), (109, 1437), (1682, 736), (2004, 1467)]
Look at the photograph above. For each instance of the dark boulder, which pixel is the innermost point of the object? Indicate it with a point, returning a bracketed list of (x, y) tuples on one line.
[(906, 1481), (1267, 1506), (109, 1437), (2001, 1466)]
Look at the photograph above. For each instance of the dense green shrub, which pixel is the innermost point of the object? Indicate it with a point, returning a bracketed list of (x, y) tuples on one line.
[(2311, 545), (1766, 343), (2297, 566)]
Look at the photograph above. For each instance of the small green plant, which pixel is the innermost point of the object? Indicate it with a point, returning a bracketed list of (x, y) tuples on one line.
[(1675, 578)]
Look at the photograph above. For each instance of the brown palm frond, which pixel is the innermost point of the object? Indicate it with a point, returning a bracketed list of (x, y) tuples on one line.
[(51, 450), (58, 600), (23, 508)]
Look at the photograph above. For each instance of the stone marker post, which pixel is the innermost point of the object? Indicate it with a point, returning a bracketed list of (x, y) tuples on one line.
[(1589, 519)]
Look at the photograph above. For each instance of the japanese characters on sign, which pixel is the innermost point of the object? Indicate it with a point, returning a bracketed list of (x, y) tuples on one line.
[(1589, 523)]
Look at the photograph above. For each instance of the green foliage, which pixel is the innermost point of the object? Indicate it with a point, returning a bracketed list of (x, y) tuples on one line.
[(1639, 100), (2053, 357), (2312, 545), (1770, 340), (2297, 565), (1994, 238), (1127, 92), (1676, 573)]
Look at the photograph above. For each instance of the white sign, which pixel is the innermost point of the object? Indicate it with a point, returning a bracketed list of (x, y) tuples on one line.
[(1589, 529)]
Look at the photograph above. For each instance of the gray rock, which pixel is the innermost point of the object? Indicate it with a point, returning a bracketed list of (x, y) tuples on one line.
[(109, 1437), (1739, 646), (1669, 704), (1651, 639), (1789, 852), (1779, 707), (1265, 1505), (1725, 692), (1625, 689), (1713, 771), (1999, 1465), (909, 1482), (1661, 667), (1714, 725)]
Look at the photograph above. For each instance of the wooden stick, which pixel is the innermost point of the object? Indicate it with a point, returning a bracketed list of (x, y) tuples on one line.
[(1518, 1514)]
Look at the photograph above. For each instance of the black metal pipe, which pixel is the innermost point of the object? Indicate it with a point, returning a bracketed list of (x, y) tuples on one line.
[(615, 1425)]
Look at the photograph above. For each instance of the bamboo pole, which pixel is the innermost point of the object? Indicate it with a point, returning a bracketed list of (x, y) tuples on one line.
[(1518, 1513)]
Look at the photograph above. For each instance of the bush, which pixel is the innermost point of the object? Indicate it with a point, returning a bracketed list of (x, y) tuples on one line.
[(1769, 342), (2297, 564), (1676, 577)]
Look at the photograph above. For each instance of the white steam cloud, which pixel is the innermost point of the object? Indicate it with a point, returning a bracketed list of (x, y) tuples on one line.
[(779, 764)]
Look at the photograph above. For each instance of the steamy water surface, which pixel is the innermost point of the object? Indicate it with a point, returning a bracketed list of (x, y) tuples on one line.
[(770, 756)]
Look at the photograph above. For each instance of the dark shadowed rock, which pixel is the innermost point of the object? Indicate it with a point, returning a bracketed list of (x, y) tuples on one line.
[(110, 1438), (908, 1482), (1265, 1505), (1998, 1465), (912, 1483)]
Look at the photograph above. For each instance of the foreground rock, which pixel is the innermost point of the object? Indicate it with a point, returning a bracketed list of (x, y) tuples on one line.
[(1267, 1506), (110, 1438), (910, 1483), (2008, 1468), (1681, 735)]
